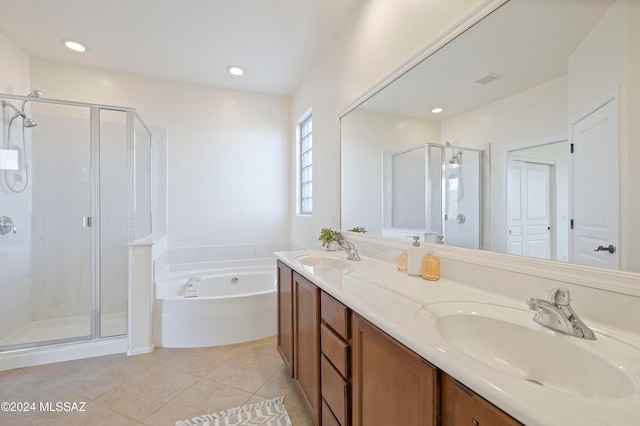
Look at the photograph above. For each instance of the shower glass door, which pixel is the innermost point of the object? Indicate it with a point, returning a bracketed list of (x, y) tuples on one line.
[(113, 222), (47, 262)]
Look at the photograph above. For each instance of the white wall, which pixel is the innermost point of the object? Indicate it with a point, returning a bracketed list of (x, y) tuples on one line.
[(228, 150), (15, 249), (383, 35), (14, 73)]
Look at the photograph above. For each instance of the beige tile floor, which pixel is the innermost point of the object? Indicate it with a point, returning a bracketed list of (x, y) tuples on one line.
[(158, 388)]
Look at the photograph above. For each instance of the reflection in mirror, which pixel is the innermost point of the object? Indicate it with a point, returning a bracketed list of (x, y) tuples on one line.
[(541, 93), (537, 201), (432, 191)]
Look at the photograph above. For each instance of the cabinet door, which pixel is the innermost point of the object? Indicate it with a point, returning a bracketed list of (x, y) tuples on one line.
[(391, 385), (285, 315), (463, 407), (306, 322)]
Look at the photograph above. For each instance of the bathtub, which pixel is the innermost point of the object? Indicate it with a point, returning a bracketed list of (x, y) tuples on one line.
[(236, 303)]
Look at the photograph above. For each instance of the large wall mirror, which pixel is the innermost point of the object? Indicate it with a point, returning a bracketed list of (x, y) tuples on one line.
[(533, 150)]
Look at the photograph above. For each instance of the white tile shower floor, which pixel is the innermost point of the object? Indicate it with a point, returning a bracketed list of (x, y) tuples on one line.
[(113, 324)]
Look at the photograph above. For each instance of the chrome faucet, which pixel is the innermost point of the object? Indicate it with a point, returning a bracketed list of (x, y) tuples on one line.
[(558, 314), (350, 249)]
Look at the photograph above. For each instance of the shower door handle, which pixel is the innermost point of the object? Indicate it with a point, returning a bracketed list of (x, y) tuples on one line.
[(87, 222)]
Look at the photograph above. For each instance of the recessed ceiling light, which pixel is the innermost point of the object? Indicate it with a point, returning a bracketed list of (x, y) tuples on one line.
[(235, 70), (437, 110), (74, 45)]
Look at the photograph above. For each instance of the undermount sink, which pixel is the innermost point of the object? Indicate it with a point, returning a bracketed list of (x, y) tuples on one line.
[(488, 334), (319, 263)]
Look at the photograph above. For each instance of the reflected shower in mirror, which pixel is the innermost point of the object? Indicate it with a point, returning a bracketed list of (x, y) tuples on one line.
[(541, 94), (424, 194)]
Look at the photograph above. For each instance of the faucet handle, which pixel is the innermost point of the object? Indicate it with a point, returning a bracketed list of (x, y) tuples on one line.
[(560, 296), (534, 303)]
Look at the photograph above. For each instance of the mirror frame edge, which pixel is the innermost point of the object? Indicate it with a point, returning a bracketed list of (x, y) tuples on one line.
[(598, 278)]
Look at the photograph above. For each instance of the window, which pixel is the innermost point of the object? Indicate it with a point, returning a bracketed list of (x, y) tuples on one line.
[(305, 141)]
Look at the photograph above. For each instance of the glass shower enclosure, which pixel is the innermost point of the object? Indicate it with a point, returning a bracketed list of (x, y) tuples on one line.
[(75, 190), (434, 191)]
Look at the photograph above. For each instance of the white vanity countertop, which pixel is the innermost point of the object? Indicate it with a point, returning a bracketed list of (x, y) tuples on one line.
[(405, 307)]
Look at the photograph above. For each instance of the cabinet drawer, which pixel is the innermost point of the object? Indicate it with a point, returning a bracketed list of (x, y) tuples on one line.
[(328, 419), (335, 314), (335, 349), (335, 391)]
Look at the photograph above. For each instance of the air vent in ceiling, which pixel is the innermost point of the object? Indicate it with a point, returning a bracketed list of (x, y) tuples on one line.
[(487, 78)]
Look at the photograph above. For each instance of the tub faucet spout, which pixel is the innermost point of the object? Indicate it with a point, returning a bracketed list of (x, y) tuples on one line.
[(350, 249)]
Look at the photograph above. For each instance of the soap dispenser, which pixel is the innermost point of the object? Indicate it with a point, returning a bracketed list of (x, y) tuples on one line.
[(431, 267), (414, 256)]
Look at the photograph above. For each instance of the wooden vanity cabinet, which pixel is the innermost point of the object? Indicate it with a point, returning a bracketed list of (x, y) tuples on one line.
[(349, 372), (391, 384), (306, 337), (334, 362), (463, 407), (285, 315), (298, 303)]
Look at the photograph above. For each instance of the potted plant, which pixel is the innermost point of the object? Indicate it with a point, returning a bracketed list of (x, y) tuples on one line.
[(358, 229), (330, 238)]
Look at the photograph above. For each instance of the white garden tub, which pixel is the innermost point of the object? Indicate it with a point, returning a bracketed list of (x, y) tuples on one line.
[(236, 303)]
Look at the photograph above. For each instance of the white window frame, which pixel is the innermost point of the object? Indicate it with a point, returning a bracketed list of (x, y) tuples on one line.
[(304, 209)]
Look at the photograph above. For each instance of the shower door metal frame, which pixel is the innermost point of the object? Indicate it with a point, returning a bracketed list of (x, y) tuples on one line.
[(93, 221), (94, 224)]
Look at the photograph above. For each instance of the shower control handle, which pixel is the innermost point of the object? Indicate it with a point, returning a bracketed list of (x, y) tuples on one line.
[(611, 249), (6, 225)]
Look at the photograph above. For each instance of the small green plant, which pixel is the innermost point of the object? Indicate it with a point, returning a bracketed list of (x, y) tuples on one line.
[(328, 236), (359, 229)]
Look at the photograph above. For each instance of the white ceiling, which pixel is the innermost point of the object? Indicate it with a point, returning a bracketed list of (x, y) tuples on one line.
[(276, 41)]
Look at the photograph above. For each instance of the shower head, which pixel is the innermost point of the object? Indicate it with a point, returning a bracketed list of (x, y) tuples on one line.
[(28, 122), (456, 158)]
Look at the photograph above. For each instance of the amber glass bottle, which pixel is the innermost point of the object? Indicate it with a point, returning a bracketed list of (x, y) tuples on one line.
[(431, 267)]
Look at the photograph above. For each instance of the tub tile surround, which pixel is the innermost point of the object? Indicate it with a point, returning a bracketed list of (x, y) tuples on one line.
[(181, 255), (170, 262), (394, 301)]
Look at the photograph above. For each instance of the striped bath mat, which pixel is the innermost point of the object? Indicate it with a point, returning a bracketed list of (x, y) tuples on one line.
[(267, 413)]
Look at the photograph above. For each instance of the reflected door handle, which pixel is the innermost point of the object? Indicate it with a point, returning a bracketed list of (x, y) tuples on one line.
[(611, 249)]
